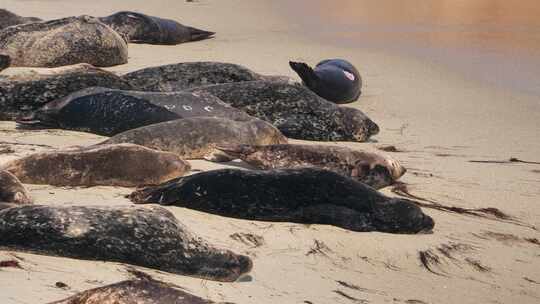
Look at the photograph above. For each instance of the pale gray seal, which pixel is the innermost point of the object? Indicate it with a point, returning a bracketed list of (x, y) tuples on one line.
[(373, 169), (125, 165), (8, 18), (306, 195), (197, 137), (148, 237), (64, 41), (295, 110), (11, 190), (336, 80), (141, 28), (181, 76), (22, 93)]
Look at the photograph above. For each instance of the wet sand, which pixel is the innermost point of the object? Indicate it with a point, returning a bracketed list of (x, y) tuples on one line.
[(440, 118)]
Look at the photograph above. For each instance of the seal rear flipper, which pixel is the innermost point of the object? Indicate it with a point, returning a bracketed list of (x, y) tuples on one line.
[(33, 122), (236, 150), (306, 73), (197, 34)]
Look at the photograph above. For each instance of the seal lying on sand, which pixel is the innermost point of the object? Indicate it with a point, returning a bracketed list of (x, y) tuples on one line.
[(103, 112), (197, 137), (295, 110), (5, 62), (181, 76), (11, 189), (63, 42), (8, 18), (148, 237), (107, 165), (108, 112), (307, 195), (141, 28), (140, 291), (335, 80), (22, 93), (372, 169)]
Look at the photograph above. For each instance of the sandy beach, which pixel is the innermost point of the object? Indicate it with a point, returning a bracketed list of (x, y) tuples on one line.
[(438, 118)]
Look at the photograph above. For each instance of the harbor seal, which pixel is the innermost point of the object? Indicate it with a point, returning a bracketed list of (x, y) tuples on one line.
[(108, 112), (124, 165), (8, 18), (140, 291), (306, 195), (148, 237), (63, 42), (295, 110), (25, 92), (373, 169), (101, 112), (11, 190), (182, 76), (5, 62), (197, 137), (141, 28), (336, 80)]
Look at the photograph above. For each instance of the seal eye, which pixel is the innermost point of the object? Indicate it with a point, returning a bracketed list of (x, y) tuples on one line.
[(349, 75)]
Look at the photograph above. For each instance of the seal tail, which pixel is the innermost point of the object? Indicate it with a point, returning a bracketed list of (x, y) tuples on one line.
[(305, 72), (197, 34)]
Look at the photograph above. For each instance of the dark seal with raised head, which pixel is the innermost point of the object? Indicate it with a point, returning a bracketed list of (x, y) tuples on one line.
[(295, 110), (148, 237), (307, 195), (336, 80), (373, 169), (141, 28), (23, 93), (62, 42)]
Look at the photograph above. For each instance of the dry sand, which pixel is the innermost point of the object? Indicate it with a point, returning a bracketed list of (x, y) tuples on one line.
[(440, 120)]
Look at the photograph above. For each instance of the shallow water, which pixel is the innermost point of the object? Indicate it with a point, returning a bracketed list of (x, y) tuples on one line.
[(494, 41)]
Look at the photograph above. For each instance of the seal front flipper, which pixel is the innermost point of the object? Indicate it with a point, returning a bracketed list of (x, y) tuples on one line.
[(197, 34), (306, 73)]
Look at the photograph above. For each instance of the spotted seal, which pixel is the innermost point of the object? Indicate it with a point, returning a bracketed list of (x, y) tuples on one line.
[(295, 110), (197, 137), (141, 28), (306, 195), (62, 42), (140, 291), (8, 18), (148, 237), (181, 76), (336, 80), (11, 190), (373, 169), (22, 93), (125, 165)]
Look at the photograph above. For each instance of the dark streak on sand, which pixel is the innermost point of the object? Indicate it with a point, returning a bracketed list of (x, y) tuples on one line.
[(492, 213), (346, 296), (509, 161)]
